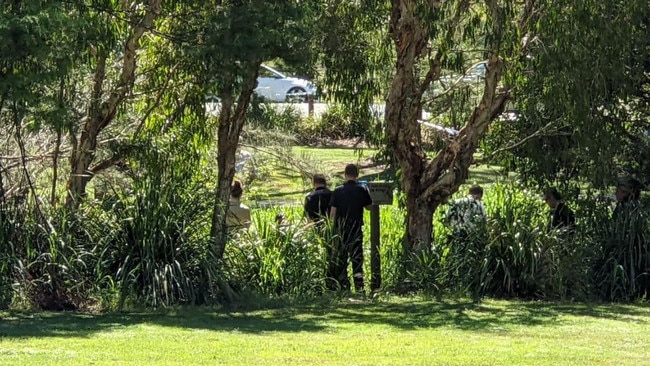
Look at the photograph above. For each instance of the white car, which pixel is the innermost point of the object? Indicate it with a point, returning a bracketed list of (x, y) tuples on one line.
[(475, 74), (273, 85)]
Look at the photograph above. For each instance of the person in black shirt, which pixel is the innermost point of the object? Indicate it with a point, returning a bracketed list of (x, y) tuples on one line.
[(561, 215), (347, 204), (317, 202)]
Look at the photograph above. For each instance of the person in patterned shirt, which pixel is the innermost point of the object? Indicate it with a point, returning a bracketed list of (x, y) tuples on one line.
[(466, 214)]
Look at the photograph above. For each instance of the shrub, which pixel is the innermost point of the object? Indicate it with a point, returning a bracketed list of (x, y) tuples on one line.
[(274, 259), (268, 117), (160, 254), (622, 266), (10, 219), (52, 258), (514, 255), (336, 123)]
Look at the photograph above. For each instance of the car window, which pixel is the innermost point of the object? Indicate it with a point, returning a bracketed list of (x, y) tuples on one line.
[(478, 70), (267, 72)]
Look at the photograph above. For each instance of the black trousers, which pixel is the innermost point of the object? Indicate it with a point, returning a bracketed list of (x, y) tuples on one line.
[(345, 247)]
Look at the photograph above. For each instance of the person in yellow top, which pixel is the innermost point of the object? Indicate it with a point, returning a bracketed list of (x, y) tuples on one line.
[(239, 215)]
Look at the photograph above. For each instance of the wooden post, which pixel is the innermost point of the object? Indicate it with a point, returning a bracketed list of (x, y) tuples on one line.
[(375, 259), (381, 193), (310, 105)]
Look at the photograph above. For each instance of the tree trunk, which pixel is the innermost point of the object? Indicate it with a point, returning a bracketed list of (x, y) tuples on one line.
[(101, 114), (419, 222), (428, 183), (231, 122), (403, 105)]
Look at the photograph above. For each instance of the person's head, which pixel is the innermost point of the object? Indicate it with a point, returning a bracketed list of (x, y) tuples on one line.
[(279, 218), (319, 180), (627, 189), (552, 197), (351, 172), (236, 190), (476, 192)]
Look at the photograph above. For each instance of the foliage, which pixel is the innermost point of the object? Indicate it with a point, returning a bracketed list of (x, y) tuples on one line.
[(160, 253), (278, 259), (267, 117), (622, 269), (51, 258), (581, 117), (10, 218), (516, 255)]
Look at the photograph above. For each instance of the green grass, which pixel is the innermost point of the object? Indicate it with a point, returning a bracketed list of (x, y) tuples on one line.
[(285, 185), (397, 331)]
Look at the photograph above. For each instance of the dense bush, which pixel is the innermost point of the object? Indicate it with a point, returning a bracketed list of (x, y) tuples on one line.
[(160, 253), (49, 257), (518, 256), (272, 258), (268, 117), (9, 219), (151, 248), (334, 124)]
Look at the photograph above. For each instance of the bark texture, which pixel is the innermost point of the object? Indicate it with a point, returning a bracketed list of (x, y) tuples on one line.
[(231, 122)]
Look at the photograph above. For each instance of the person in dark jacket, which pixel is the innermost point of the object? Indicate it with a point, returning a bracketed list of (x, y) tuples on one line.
[(348, 202), (562, 217), (317, 202)]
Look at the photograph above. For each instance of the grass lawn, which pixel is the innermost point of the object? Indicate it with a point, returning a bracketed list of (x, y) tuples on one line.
[(285, 184), (397, 331)]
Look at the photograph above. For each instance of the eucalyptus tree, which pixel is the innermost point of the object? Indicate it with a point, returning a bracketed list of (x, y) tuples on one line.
[(42, 43), (129, 22), (427, 38), (230, 40)]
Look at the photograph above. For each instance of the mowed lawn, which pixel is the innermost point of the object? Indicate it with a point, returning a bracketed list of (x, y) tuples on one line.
[(396, 331)]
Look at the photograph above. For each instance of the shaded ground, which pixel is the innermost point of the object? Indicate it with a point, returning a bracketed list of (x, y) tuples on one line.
[(396, 331), (402, 313)]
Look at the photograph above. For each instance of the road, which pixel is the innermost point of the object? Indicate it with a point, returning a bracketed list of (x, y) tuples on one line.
[(303, 109)]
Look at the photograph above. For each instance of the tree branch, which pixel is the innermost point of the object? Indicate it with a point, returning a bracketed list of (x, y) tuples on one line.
[(542, 132)]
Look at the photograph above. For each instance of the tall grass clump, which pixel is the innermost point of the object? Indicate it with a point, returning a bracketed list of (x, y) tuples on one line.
[(515, 254), (49, 258), (160, 252), (268, 117), (391, 251), (278, 259), (10, 217), (621, 264)]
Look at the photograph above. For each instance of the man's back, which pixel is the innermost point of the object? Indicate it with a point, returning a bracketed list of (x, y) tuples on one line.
[(317, 203), (562, 216), (350, 200)]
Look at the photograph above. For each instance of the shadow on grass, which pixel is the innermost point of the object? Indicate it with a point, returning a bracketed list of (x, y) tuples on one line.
[(492, 316), (20, 325)]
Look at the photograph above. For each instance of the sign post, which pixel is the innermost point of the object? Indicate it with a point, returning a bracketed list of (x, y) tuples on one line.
[(381, 194)]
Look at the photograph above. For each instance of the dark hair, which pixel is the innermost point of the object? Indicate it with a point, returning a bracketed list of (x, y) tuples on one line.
[(552, 193), (352, 171), (319, 179), (476, 190), (236, 190), (633, 185)]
